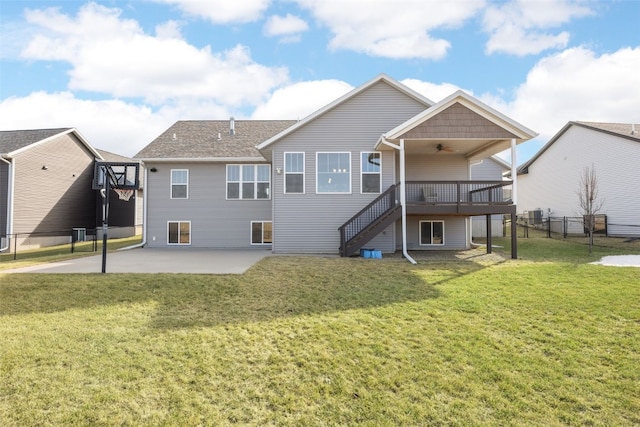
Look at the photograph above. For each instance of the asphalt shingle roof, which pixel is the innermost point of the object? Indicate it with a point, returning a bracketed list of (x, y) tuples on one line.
[(622, 129), (12, 140), (211, 139)]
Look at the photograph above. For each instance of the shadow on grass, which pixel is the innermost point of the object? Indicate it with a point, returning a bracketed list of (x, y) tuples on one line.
[(277, 287)]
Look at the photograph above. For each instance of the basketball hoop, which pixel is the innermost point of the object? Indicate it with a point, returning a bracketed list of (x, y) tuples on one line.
[(124, 193)]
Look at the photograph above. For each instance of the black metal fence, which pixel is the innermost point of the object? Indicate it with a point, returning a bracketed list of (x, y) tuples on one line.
[(571, 227), (56, 242)]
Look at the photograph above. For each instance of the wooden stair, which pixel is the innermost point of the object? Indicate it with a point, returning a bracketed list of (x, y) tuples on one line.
[(369, 222)]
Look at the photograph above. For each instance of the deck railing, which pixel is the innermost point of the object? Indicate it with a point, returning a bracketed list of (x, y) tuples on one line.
[(369, 214), (364, 223), (459, 192)]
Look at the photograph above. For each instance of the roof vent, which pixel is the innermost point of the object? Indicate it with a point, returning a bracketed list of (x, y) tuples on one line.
[(219, 136), (174, 137), (633, 129), (232, 126)]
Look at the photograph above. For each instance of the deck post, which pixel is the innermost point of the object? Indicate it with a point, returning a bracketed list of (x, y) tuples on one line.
[(514, 237), (489, 233)]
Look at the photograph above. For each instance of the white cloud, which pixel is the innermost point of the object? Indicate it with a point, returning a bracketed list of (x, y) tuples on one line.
[(114, 56), (433, 91), (579, 85), (222, 11), (298, 100), (111, 125), (289, 26), (517, 27), (398, 29)]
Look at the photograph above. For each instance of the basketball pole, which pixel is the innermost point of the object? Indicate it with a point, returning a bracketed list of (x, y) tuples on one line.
[(105, 219)]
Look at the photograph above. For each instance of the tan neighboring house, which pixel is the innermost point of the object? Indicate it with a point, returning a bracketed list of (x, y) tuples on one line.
[(45, 187)]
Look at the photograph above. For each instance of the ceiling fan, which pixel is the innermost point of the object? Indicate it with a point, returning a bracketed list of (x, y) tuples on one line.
[(446, 149)]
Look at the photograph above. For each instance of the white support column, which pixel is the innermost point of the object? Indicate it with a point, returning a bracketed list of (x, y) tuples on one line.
[(514, 174)]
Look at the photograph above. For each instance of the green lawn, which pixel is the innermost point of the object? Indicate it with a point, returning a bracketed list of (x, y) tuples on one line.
[(459, 339)]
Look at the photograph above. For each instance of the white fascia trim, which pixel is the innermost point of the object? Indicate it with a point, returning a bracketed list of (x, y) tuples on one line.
[(205, 160), (68, 131), (381, 77)]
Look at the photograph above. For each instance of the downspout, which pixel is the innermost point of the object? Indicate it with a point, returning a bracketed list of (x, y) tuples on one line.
[(10, 180), (403, 200), (144, 215)]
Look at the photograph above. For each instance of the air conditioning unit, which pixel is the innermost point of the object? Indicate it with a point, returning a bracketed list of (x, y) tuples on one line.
[(535, 217)]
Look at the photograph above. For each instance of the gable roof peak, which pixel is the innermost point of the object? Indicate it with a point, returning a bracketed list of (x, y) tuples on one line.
[(379, 78), (13, 142)]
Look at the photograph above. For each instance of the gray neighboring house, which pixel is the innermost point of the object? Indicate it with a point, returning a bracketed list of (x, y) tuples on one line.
[(45, 186), (548, 182), (381, 167)]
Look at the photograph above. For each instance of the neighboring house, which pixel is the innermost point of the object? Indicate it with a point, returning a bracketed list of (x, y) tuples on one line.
[(381, 167), (491, 169), (45, 186), (125, 217), (549, 182)]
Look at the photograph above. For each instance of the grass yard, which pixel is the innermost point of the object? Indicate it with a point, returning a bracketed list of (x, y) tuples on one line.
[(459, 339)]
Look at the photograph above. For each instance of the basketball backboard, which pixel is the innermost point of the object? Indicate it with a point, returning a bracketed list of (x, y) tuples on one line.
[(122, 175)]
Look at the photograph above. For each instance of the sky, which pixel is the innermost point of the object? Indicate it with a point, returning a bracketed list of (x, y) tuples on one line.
[(122, 72)]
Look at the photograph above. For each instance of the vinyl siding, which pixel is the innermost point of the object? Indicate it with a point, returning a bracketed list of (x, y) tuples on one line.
[(4, 198), (215, 221), (553, 179), (436, 167), (455, 234), (59, 198), (487, 170), (305, 223)]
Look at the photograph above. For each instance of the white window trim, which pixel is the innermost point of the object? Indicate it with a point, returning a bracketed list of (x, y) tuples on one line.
[(304, 170), (172, 184), (370, 173), (251, 233), (179, 222), (420, 232), (350, 172), (240, 181)]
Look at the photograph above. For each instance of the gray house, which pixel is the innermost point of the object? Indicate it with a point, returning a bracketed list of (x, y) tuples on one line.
[(381, 167)]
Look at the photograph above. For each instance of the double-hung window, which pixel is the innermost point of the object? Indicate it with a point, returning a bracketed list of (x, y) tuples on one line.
[(248, 182), (179, 183), (432, 232), (333, 172), (293, 173), (370, 167)]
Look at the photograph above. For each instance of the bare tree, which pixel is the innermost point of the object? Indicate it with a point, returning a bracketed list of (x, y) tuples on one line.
[(589, 200)]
